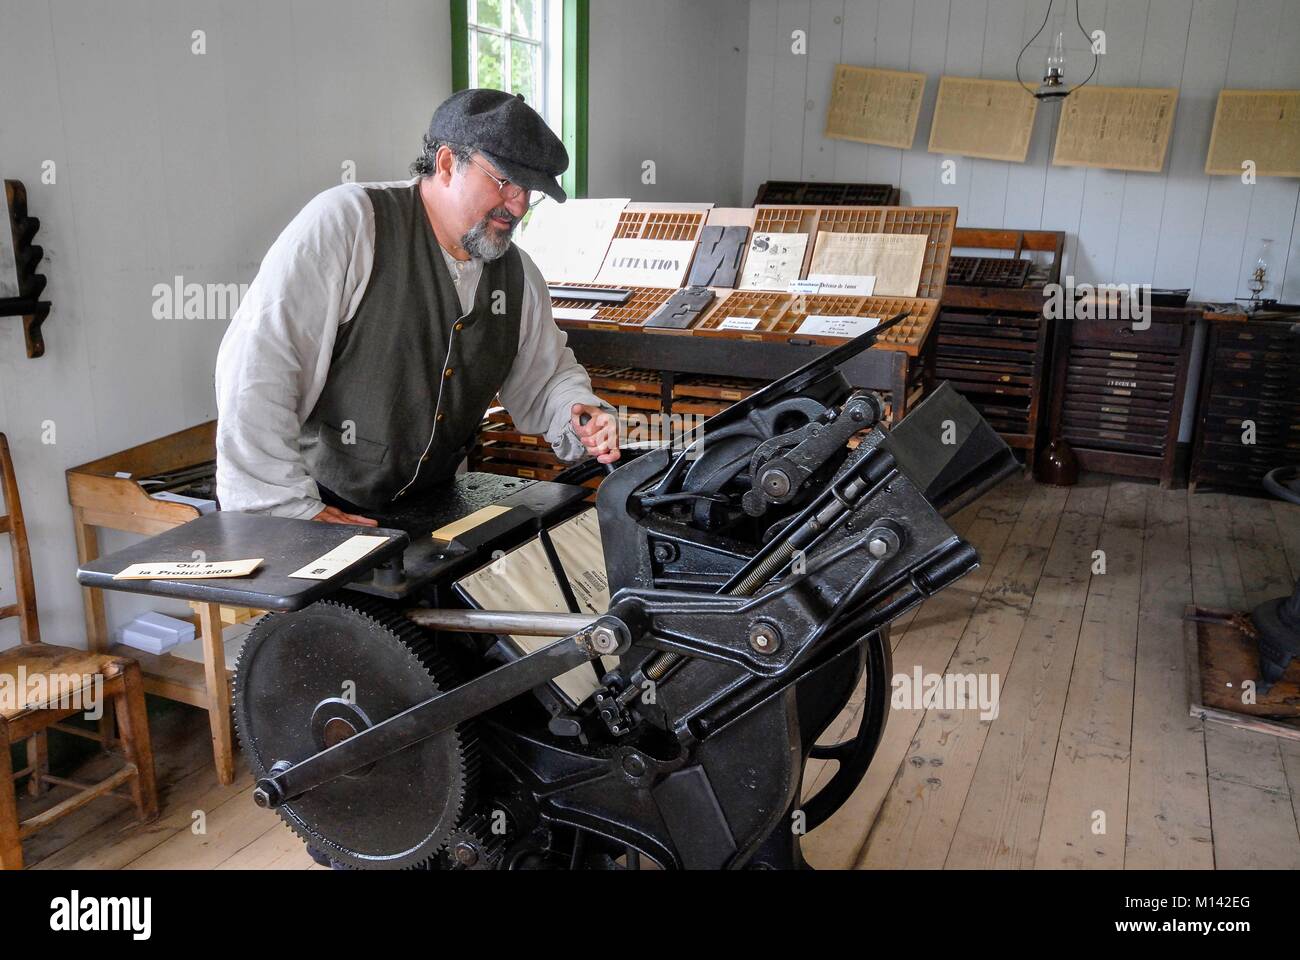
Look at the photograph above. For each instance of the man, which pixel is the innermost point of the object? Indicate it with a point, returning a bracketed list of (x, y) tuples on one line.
[(386, 317)]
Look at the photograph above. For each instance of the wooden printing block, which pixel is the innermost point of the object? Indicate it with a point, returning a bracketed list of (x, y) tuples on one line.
[(717, 258), (682, 309)]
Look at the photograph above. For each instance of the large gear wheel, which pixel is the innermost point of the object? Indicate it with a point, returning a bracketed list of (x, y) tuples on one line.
[(308, 679)]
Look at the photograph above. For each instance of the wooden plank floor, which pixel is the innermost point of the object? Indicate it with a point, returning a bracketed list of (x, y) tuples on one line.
[(1091, 761)]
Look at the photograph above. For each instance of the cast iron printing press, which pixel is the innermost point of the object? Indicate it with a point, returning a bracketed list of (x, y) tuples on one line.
[(753, 572)]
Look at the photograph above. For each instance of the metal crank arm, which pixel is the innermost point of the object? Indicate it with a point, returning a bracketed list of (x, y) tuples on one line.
[(608, 635), (766, 634)]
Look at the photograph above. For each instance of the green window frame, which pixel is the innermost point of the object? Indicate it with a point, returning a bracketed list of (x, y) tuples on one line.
[(575, 41)]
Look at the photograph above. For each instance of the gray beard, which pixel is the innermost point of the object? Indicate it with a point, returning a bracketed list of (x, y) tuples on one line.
[(481, 241)]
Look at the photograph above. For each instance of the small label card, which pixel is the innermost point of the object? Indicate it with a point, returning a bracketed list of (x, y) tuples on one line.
[(837, 326), (739, 323), (574, 313), (183, 570), (839, 283), (448, 533), (346, 553)]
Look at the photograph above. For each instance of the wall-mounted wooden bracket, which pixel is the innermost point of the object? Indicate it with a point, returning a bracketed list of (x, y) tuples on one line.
[(33, 313)]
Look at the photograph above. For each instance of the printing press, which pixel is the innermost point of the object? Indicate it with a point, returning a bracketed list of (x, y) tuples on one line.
[(753, 570)]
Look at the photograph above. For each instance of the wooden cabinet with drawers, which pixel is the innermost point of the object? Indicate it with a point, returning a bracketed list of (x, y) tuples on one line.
[(1117, 395), (993, 343), (1248, 413)]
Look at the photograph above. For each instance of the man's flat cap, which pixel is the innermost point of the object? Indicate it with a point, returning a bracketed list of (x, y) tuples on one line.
[(508, 132)]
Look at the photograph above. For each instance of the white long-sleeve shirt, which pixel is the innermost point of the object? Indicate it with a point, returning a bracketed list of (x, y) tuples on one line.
[(275, 356)]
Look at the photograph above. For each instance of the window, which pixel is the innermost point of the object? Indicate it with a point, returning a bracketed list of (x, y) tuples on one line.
[(534, 47), (507, 48)]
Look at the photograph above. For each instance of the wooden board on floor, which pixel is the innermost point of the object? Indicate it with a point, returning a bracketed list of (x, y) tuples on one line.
[(122, 841), (1253, 820), (1087, 803), (227, 829), (1287, 518), (1216, 576), (1002, 817), (277, 849), (916, 822), (927, 639), (1265, 573), (963, 523), (1168, 793)]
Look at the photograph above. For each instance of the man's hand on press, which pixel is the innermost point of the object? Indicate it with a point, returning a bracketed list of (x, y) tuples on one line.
[(335, 515), (599, 434)]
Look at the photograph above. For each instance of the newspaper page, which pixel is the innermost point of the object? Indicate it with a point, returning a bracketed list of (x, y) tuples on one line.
[(875, 106)]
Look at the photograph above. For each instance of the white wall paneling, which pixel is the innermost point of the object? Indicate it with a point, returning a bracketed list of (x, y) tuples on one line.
[(170, 163), (1176, 228)]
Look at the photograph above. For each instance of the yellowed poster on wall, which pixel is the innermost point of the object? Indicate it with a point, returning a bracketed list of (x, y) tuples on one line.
[(875, 106), (993, 119), (1118, 128), (1256, 126)]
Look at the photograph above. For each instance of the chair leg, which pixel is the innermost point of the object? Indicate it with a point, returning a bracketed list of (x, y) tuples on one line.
[(11, 850), (38, 758), (133, 725)]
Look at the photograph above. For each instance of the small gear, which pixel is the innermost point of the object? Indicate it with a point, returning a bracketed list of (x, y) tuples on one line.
[(311, 678), (473, 845)]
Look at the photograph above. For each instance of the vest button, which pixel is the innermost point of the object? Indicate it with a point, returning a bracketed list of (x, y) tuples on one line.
[(460, 326), (447, 372), (440, 417)]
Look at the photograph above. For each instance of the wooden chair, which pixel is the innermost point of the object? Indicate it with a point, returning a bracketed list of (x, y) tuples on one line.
[(41, 685)]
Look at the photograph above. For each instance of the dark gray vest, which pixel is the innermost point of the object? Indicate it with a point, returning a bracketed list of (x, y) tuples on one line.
[(410, 378)]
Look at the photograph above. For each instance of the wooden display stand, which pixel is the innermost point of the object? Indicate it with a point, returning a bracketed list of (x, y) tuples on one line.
[(780, 314), (100, 498), (994, 342), (603, 339), (698, 370)]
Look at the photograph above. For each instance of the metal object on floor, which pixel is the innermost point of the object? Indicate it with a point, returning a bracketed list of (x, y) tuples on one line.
[(1277, 621)]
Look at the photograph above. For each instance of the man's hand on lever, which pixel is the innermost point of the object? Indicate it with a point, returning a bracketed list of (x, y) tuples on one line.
[(335, 515), (597, 430)]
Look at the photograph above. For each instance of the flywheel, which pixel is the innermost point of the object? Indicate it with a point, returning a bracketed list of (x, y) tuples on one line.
[(312, 678)]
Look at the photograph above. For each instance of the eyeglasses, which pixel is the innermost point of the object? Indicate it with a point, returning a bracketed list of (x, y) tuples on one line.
[(509, 189)]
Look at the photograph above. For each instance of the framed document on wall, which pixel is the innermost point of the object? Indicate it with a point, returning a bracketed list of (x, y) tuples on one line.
[(875, 106), (1261, 126), (992, 119), (1116, 128)]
